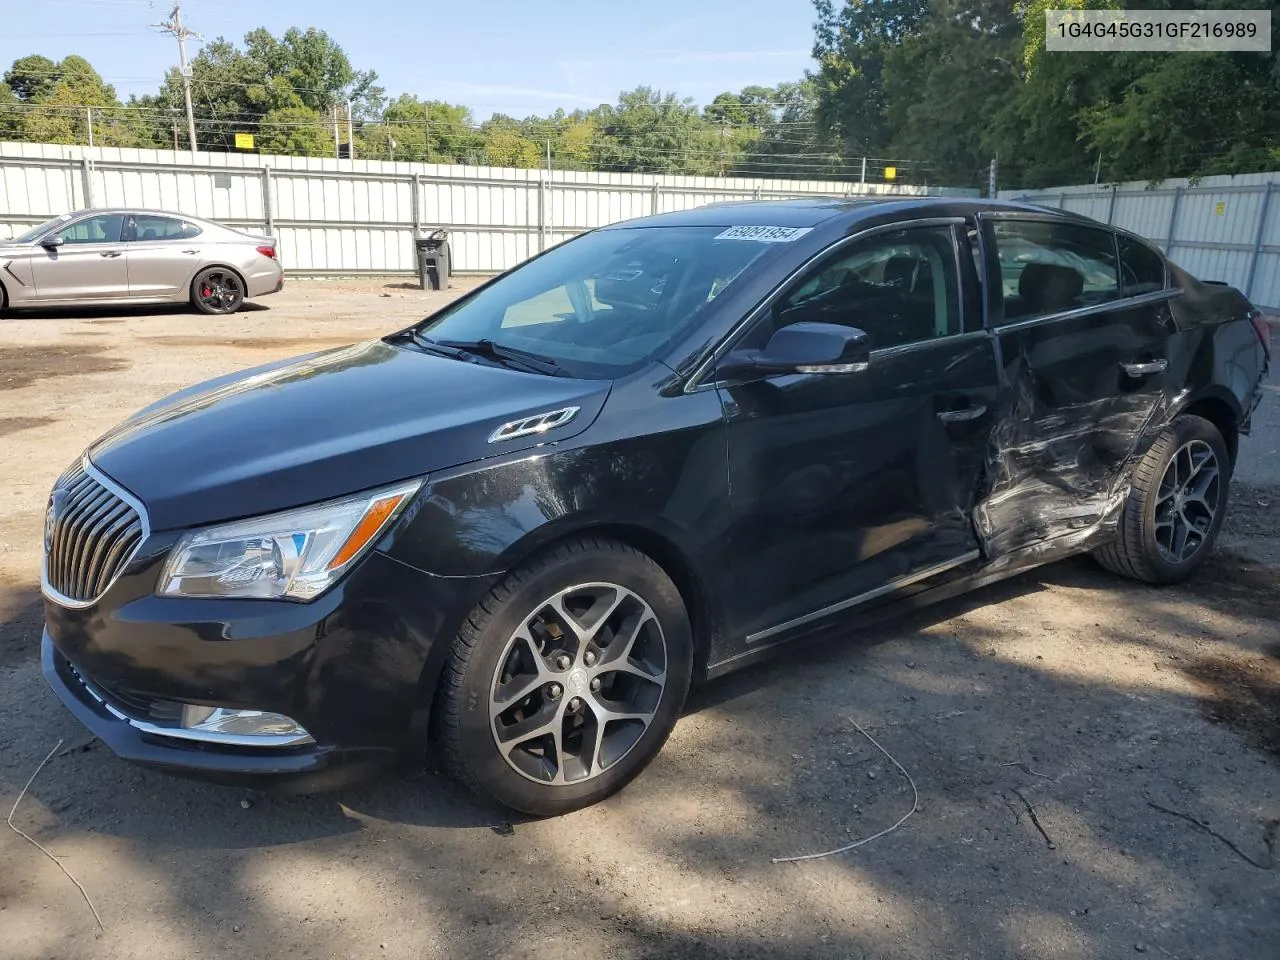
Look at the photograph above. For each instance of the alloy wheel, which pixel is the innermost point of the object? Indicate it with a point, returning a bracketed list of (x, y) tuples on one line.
[(578, 683), (1187, 501), (219, 291)]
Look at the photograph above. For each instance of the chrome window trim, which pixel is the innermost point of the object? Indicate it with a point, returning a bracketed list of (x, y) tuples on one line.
[(1109, 306), (840, 605), (900, 348), (742, 326), (64, 601)]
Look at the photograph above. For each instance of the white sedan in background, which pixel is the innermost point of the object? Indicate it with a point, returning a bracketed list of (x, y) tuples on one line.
[(104, 257)]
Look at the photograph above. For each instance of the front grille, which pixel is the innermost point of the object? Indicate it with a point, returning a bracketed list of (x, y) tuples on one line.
[(90, 535)]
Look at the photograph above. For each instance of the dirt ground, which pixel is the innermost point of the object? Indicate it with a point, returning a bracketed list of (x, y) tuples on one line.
[(1098, 762)]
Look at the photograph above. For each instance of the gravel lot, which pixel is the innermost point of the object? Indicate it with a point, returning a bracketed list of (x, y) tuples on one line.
[(1098, 762)]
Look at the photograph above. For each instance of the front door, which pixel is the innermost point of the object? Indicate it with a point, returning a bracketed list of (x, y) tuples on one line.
[(88, 265), (163, 253), (845, 486), (1084, 347)]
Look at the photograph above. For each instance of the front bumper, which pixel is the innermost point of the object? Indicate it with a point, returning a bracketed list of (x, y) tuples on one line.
[(356, 668), (301, 769)]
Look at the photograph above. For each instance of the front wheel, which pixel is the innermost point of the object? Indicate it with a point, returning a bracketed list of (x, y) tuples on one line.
[(217, 291), (566, 679), (1176, 505)]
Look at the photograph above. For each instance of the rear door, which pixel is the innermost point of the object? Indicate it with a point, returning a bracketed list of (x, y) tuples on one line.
[(845, 486), (163, 253), (1084, 346), (89, 265)]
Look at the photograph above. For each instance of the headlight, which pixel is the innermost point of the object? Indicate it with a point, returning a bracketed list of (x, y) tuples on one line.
[(297, 554)]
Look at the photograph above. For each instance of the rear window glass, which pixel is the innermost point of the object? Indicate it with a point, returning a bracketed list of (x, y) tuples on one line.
[(1050, 267), (1141, 268), (162, 228)]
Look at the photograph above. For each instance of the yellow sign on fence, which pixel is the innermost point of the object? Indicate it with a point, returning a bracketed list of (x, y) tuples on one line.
[(1220, 209), (244, 141), (890, 173)]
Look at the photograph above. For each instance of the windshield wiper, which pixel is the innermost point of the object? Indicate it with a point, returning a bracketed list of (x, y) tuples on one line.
[(510, 356)]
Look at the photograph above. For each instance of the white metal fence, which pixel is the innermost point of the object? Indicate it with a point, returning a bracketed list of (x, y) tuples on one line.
[(1218, 228), (347, 217)]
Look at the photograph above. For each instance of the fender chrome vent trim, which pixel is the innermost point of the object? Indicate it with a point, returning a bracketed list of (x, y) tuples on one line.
[(538, 423)]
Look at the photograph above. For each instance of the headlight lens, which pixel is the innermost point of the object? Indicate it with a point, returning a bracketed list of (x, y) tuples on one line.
[(297, 554)]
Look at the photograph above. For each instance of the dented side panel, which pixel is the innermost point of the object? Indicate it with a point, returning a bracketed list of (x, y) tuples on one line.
[(1070, 424)]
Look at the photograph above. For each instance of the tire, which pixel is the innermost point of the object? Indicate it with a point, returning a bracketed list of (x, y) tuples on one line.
[(1147, 543), (517, 667), (217, 291)]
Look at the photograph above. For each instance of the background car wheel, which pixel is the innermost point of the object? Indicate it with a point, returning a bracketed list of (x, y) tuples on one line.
[(566, 680), (217, 290), (1176, 506)]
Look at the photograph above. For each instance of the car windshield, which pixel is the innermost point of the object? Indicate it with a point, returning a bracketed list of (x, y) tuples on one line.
[(37, 231), (602, 304)]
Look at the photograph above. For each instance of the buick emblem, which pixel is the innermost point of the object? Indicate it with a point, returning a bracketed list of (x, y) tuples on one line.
[(52, 514)]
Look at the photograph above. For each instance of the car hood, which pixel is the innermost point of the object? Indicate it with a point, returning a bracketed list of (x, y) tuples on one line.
[(322, 426)]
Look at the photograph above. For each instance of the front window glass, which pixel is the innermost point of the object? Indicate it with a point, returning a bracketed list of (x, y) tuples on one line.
[(102, 229), (604, 303), (41, 229), (898, 288)]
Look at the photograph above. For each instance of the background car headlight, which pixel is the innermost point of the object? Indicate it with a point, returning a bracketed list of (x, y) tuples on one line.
[(296, 554)]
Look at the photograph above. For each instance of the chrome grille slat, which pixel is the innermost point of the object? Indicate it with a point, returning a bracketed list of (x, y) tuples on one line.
[(76, 530), (120, 550), (89, 526), (93, 534), (110, 526), (58, 551)]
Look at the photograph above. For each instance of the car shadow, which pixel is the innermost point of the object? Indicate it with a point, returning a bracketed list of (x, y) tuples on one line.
[(116, 314)]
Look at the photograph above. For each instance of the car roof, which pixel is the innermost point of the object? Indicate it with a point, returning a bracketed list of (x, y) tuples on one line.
[(142, 210), (812, 211)]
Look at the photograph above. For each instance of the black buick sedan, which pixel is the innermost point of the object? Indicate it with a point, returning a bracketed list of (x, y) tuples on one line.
[(517, 531)]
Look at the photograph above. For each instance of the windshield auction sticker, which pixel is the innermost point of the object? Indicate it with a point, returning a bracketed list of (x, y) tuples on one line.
[(1158, 31), (764, 234)]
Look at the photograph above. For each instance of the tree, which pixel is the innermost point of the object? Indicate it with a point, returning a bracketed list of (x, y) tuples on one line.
[(506, 146), (851, 45), (295, 131), (652, 132), (31, 76)]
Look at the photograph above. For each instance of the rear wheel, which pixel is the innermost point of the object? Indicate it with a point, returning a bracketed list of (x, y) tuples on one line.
[(566, 679), (217, 291), (1175, 507)]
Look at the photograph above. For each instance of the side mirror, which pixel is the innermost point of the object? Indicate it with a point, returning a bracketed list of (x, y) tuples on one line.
[(802, 348), (52, 241)]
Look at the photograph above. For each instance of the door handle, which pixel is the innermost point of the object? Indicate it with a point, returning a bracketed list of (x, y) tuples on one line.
[(1145, 368), (191, 251), (110, 253), (963, 415)]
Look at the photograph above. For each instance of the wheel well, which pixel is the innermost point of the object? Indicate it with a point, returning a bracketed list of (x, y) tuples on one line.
[(676, 565), (1219, 413), (4, 296)]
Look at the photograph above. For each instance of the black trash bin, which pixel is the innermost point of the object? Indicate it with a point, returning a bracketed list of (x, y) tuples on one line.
[(434, 264)]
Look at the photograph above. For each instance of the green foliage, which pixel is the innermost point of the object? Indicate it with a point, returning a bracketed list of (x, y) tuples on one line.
[(297, 131), (954, 82)]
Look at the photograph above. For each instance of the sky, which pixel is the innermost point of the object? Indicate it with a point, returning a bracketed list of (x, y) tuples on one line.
[(494, 56)]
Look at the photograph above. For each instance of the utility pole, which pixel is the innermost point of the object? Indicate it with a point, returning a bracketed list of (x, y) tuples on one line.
[(337, 149), (1097, 171), (351, 135), (88, 116), (548, 159), (991, 177), (175, 26)]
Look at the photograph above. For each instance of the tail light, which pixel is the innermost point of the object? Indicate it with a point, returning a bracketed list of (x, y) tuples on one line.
[(1262, 329), (268, 250)]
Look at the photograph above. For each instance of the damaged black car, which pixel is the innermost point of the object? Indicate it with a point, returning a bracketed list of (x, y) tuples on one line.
[(514, 534)]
